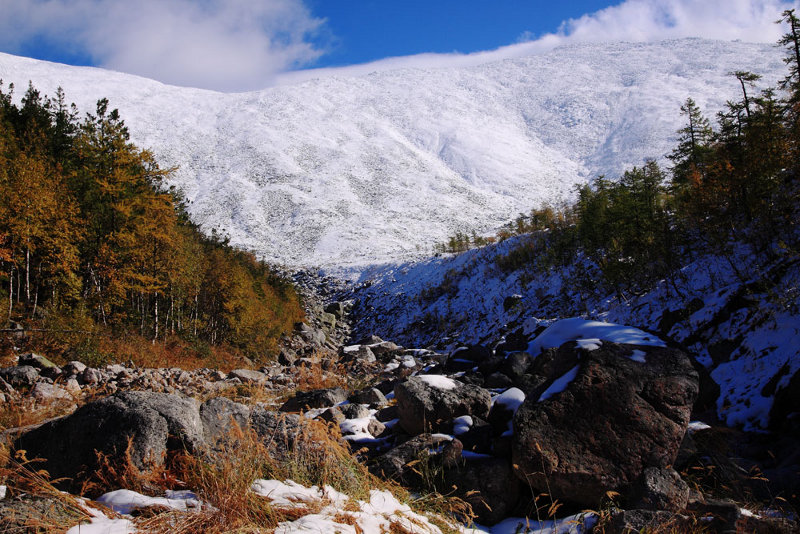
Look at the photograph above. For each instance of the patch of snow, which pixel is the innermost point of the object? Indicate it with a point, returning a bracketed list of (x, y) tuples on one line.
[(439, 381), (125, 501), (639, 356), (100, 523), (575, 524), (461, 425), (589, 344), (577, 328), (560, 384), (696, 426)]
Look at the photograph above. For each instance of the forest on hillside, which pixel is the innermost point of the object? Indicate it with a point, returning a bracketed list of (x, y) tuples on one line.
[(94, 247)]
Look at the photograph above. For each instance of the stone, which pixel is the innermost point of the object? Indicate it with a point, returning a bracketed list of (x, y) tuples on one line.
[(247, 376), (287, 356), (278, 431), (422, 406), (151, 423), (35, 360), (488, 485), (74, 368), (333, 415), (44, 393), (220, 417), (354, 411), (328, 321), (394, 465), (516, 364), (376, 428), (498, 380), (20, 376), (613, 420), (91, 376), (370, 396), (320, 398), (659, 489), (637, 521)]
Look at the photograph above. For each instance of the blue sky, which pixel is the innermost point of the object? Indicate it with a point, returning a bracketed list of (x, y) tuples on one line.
[(366, 30), (237, 45)]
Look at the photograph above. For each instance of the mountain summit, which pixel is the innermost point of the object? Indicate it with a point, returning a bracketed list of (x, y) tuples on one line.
[(351, 171)]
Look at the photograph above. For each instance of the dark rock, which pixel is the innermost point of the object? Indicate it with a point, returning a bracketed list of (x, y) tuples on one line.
[(515, 341), (279, 431), (20, 376), (394, 464), (287, 356), (422, 406), (371, 396), (498, 381), (333, 415), (492, 364), (90, 376), (354, 411), (785, 412), (488, 485), (616, 418), (466, 358), (659, 489), (511, 302), (320, 398), (387, 414), (724, 515), (479, 436), (516, 364), (338, 309), (384, 348), (24, 512), (636, 521), (35, 360), (152, 423), (767, 525)]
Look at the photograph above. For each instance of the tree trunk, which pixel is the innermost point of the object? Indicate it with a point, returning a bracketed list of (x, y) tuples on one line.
[(155, 316)]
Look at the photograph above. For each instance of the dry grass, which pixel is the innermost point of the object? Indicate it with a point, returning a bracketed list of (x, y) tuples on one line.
[(22, 412), (45, 508)]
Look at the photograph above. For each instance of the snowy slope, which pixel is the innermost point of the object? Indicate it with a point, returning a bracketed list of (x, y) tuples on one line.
[(362, 170), (738, 315)]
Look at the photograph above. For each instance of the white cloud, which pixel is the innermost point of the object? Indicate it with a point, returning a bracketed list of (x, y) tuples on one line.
[(631, 20), (228, 45)]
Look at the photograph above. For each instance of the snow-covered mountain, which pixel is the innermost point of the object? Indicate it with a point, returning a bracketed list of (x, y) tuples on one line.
[(361, 170)]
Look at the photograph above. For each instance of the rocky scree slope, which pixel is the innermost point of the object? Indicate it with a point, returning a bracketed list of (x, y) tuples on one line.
[(352, 171), (554, 412)]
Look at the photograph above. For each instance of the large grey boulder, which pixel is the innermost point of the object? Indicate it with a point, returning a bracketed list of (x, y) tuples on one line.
[(426, 402), (151, 423), (659, 489), (401, 462), (618, 416)]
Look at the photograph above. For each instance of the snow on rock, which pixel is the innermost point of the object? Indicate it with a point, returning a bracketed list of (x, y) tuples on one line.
[(511, 398), (359, 170), (591, 334), (639, 356), (126, 501), (438, 381), (461, 425), (560, 384)]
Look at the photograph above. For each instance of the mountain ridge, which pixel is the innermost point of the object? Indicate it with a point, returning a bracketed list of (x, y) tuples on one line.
[(360, 170)]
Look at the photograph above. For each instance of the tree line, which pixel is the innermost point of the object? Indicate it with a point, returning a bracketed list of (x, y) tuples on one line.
[(736, 182), (89, 235)]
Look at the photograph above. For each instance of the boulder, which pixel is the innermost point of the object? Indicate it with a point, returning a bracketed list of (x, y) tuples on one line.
[(333, 415), (287, 356), (319, 398), (659, 489), (394, 465), (338, 309), (466, 358), (220, 416), (636, 521), (516, 364), (371, 396), (247, 376), (20, 376), (74, 368), (488, 485), (43, 392), (617, 417), (278, 431), (425, 402), (36, 360), (152, 423), (354, 411)]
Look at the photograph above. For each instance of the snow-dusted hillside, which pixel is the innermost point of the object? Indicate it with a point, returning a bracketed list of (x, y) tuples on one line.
[(362, 170)]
